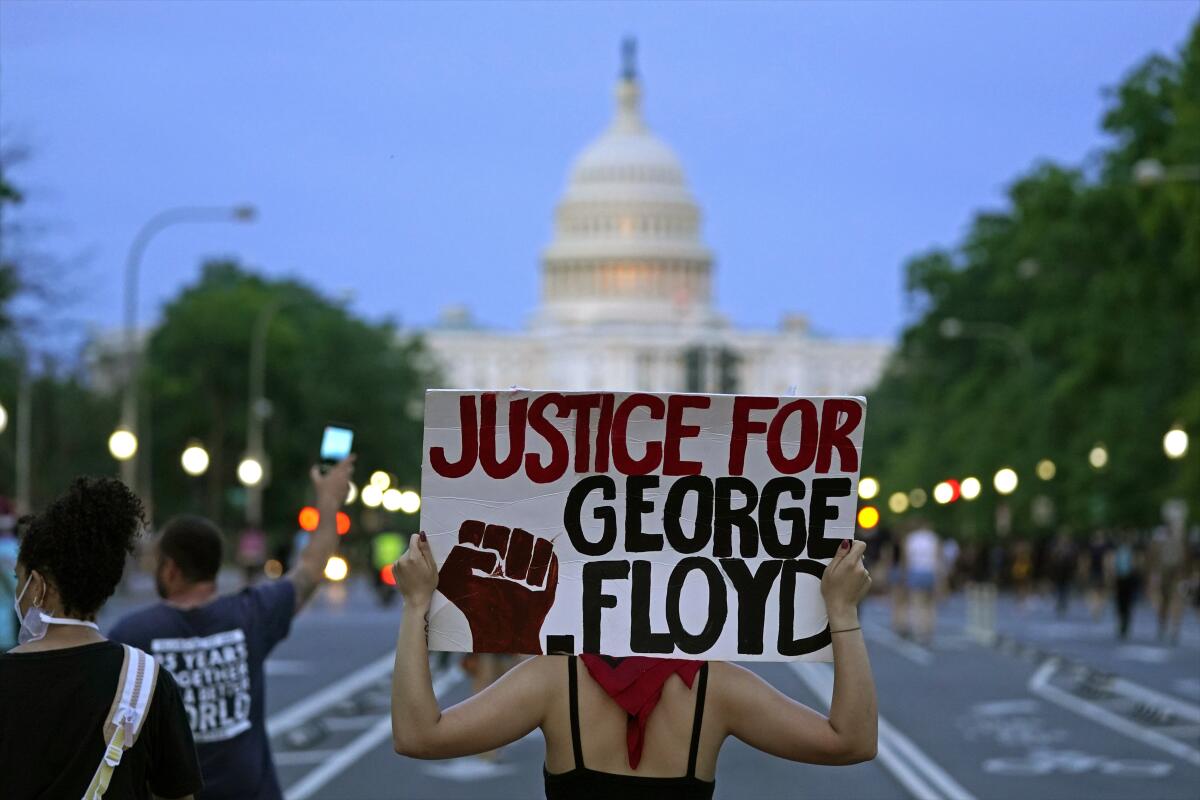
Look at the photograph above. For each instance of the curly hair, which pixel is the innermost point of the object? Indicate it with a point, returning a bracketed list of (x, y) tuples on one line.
[(80, 541)]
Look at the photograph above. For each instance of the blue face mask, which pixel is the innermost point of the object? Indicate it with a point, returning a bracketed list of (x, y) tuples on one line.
[(35, 622)]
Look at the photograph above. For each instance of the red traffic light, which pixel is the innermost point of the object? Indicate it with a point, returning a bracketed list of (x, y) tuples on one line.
[(955, 487), (310, 518), (387, 576)]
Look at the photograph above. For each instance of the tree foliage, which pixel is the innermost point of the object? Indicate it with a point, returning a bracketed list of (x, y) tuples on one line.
[(1077, 310), (321, 364)]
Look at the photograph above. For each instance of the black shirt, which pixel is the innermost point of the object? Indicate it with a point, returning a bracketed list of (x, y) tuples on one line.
[(53, 706)]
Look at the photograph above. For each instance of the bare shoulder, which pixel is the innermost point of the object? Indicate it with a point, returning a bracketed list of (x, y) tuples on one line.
[(734, 689), (726, 679), (539, 672)]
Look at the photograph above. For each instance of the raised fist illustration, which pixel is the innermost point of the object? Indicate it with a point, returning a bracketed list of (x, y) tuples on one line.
[(503, 580)]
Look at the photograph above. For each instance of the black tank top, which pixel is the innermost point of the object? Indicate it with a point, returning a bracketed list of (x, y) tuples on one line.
[(582, 783)]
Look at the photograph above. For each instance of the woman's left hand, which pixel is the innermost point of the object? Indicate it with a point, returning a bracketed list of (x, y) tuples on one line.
[(416, 573)]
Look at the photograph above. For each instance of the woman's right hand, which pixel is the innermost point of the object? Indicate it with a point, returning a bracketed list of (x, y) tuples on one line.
[(416, 573), (846, 580)]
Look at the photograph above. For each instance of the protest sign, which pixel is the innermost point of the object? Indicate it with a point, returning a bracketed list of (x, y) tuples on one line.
[(684, 525)]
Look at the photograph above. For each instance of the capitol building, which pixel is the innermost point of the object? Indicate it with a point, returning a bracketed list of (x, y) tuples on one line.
[(626, 294)]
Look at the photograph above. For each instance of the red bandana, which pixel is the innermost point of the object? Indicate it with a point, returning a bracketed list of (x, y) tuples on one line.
[(636, 684)]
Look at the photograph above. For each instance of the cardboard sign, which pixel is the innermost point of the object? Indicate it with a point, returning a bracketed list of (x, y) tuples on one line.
[(682, 525)]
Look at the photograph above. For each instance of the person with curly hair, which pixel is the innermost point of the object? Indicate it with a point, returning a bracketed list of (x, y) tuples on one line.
[(59, 687), (216, 644)]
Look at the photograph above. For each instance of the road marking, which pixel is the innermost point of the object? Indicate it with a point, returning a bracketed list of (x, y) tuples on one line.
[(343, 687), (334, 765), (910, 650), (917, 773), (342, 759), (466, 770), (296, 758), (1039, 684), (274, 667)]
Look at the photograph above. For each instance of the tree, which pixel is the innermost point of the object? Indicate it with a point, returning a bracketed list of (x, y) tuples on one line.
[(322, 364), (1075, 310)]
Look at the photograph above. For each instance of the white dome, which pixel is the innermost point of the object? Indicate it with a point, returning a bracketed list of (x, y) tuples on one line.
[(626, 244), (627, 162)]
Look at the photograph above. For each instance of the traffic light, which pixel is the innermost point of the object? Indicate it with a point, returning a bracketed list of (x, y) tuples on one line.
[(868, 517), (310, 518)]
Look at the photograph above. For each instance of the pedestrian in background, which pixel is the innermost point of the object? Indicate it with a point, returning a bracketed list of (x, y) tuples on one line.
[(1063, 564), (923, 569), (1097, 572), (1126, 568), (60, 686), (1169, 566), (217, 644), (591, 749)]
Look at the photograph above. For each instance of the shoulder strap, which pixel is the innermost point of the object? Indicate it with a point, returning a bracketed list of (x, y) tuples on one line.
[(701, 691), (573, 684), (131, 702)]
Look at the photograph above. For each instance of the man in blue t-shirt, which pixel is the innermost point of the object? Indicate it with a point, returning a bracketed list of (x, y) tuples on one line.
[(215, 645)]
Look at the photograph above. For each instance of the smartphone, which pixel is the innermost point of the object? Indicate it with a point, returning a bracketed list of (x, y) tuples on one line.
[(336, 442)]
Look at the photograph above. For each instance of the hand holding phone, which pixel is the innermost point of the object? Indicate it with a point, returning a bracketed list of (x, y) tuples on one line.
[(336, 443)]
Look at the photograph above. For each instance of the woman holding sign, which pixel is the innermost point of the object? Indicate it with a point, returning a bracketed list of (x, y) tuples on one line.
[(646, 735)]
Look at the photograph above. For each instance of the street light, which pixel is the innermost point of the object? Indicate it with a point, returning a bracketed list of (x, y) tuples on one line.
[(3, 418), (123, 445), (868, 488), (410, 501), (352, 494), (155, 225), (1005, 480), (336, 568), (1150, 171), (898, 502), (1098, 456), (381, 480), (250, 472), (393, 500), (194, 459), (1175, 443), (372, 496), (954, 328), (917, 498), (970, 488), (1045, 469)]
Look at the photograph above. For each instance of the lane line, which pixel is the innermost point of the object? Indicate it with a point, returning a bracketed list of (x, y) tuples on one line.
[(345, 686), (1039, 684), (921, 777), (294, 758), (898, 644), (1180, 708), (342, 759), (307, 786)]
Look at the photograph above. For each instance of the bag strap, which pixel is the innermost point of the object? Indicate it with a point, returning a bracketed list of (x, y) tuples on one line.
[(135, 689)]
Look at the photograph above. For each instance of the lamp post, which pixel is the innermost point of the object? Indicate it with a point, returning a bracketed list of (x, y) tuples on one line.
[(954, 328), (257, 410), (133, 263), (1151, 171)]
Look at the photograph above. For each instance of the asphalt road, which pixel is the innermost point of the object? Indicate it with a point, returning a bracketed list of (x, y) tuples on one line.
[(1050, 708)]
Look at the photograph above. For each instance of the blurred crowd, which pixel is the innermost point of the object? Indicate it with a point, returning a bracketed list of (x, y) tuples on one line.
[(1110, 568)]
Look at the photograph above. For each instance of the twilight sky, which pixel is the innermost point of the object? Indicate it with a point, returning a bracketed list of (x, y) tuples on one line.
[(414, 153)]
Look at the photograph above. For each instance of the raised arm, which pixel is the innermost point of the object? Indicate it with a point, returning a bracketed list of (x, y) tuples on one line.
[(504, 712), (331, 489), (765, 718)]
